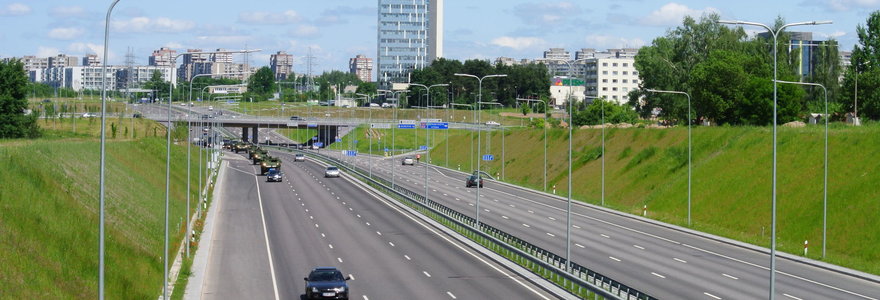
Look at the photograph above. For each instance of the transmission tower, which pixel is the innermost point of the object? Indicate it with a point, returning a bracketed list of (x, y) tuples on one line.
[(129, 69)]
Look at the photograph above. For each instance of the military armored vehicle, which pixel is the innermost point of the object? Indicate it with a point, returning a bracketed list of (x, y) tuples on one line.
[(240, 146), (269, 162), (258, 155)]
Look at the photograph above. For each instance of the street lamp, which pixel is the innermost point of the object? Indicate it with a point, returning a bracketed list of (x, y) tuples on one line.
[(427, 143), (690, 144), (603, 143), (479, 133), (104, 153), (775, 35), (825, 175), (546, 111)]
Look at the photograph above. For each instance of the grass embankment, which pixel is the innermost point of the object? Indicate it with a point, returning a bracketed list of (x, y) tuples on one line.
[(731, 189), (49, 215)]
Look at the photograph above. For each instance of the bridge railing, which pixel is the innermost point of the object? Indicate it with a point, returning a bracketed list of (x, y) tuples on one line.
[(580, 280)]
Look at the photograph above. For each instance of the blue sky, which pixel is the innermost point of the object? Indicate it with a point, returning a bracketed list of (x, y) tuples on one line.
[(336, 30)]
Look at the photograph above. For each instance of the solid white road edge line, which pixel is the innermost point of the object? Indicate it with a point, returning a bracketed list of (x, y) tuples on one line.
[(266, 235)]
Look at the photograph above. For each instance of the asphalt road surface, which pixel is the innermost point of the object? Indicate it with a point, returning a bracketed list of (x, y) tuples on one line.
[(665, 263), (269, 235)]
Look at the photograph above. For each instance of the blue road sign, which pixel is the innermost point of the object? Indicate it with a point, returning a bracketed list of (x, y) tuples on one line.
[(406, 126), (312, 125), (423, 147), (437, 125), (338, 140), (314, 138), (386, 149), (488, 157), (319, 144), (350, 153)]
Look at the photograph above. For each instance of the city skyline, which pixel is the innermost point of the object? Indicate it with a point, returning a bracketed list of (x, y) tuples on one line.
[(339, 30)]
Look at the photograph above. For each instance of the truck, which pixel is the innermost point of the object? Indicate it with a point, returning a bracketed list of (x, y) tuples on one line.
[(269, 162), (258, 154)]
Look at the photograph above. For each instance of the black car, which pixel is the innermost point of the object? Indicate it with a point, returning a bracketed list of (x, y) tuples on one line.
[(296, 118), (472, 181), (273, 175), (326, 283)]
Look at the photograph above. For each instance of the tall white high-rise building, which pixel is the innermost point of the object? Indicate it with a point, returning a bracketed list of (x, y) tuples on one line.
[(410, 37)]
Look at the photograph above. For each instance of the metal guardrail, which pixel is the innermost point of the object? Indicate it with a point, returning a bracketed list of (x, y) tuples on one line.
[(581, 281)]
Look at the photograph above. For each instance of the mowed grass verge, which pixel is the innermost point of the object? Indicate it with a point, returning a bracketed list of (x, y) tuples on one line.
[(49, 216), (731, 188)]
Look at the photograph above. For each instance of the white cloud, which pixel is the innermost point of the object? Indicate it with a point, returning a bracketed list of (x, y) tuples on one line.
[(15, 9), (270, 18), (67, 12), (305, 31), (834, 35), (519, 43), (673, 13), (546, 13), (47, 51), (66, 33), (223, 39), (610, 42), (845, 5), (174, 45), (145, 25)]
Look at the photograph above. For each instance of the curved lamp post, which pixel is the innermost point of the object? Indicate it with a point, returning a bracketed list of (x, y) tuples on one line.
[(479, 132), (690, 144), (103, 152), (427, 142), (825, 164), (775, 34)]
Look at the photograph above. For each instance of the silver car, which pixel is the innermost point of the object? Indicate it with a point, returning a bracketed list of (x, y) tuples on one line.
[(408, 161), (331, 171), (299, 157)]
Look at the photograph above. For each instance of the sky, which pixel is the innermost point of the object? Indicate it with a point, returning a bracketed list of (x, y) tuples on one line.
[(336, 30)]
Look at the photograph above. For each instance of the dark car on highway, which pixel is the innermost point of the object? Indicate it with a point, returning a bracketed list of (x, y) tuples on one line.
[(472, 181), (326, 283), (296, 118), (273, 175)]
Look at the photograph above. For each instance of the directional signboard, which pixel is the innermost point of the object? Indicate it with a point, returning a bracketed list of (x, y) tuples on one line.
[(292, 124), (488, 157), (338, 140), (423, 147), (380, 125), (314, 138), (437, 125), (319, 144), (431, 120), (313, 125), (406, 126), (350, 153)]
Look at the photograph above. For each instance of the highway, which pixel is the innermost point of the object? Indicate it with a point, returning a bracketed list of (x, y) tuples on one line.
[(666, 263), (269, 235)]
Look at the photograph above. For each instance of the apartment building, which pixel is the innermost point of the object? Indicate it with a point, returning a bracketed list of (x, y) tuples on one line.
[(281, 64), (362, 67), (410, 37)]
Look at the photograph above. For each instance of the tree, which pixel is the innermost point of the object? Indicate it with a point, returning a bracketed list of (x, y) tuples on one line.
[(157, 84), (262, 84), (865, 68), (14, 123), (367, 88)]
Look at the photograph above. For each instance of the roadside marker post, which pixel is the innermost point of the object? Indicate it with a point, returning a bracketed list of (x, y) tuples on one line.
[(645, 210), (806, 245)]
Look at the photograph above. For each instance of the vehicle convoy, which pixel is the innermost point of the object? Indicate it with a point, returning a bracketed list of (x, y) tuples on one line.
[(269, 162), (326, 283), (240, 146), (273, 175), (256, 154)]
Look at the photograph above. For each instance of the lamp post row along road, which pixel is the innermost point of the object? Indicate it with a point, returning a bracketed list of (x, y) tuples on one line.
[(427, 142), (775, 34)]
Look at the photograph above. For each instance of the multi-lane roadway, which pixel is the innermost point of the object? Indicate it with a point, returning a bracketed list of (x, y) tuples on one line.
[(659, 260), (269, 235)]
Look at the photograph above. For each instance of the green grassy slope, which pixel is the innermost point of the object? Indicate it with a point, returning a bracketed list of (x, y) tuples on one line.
[(731, 180), (49, 216)]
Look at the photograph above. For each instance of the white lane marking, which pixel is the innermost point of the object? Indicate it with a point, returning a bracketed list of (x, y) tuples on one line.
[(368, 223), (322, 235), (365, 297), (339, 259), (390, 243), (639, 247), (331, 246), (451, 295), (728, 276), (505, 217), (359, 216), (407, 257), (605, 236), (575, 226), (352, 278), (579, 245), (550, 234), (551, 218), (266, 236), (426, 273), (316, 226), (680, 260), (526, 225), (614, 258), (379, 233), (713, 296), (658, 275), (311, 217), (531, 211), (792, 297)]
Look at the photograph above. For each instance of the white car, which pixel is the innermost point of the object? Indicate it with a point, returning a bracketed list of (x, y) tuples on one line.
[(408, 161), (299, 157), (493, 123), (331, 171), (315, 147)]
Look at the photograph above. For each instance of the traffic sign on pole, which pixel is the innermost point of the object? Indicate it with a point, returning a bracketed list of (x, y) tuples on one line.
[(437, 125), (488, 157), (406, 126), (423, 147), (313, 125)]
